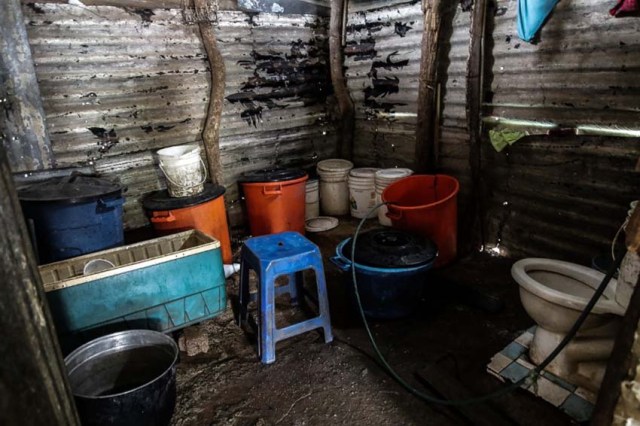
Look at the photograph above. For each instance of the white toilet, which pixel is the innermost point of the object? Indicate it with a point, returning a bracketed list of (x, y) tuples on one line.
[(554, 293)]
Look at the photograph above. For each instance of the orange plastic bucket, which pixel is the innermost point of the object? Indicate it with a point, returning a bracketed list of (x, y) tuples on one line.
[(204, 212), (428, 206), (275, 200)]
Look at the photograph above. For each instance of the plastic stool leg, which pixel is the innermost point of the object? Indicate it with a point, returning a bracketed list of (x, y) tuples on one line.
[(295, 280), (243, 293), (267, 317), (323, 303)]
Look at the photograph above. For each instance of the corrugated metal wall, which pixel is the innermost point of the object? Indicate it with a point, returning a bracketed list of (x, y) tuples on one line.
[(382, 60), (562, 196), (118, 85)]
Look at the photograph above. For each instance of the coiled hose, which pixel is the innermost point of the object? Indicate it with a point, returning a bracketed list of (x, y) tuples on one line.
[(527, 380)]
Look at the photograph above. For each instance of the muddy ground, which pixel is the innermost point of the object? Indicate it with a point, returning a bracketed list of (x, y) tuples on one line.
[(313, 383)]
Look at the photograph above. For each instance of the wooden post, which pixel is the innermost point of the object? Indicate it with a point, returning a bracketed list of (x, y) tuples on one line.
[(338, 80), (474, 97), (33, 384), (211, 130), (23, 130), (426, 145)]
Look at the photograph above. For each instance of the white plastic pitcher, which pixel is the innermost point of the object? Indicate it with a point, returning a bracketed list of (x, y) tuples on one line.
[(184, 169)]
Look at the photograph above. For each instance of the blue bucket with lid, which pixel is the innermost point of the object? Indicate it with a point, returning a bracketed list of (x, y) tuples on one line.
[(72, 216), (391, 268)]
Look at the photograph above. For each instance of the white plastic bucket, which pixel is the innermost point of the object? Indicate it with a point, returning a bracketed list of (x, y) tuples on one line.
[(334, 191), (384, 178), (362, 191), (312, 200), (184, 169)]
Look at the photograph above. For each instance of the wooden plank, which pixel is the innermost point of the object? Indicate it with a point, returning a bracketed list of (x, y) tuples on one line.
[(139, 4), (340, 89), (425, 149), (33, 382)]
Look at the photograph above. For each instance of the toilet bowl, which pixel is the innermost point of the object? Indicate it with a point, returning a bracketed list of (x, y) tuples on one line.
[(554, 293)]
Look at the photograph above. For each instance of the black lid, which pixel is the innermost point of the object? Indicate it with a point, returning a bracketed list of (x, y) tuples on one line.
[(75, 188), (271, 175), (161, 200), (391, 248)]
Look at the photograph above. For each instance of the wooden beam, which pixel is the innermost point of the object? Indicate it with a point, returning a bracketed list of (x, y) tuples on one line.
[(23, 130), (426, 138), (33, 381), (474, 96), (211, 130), (338, 80), (139, 4)]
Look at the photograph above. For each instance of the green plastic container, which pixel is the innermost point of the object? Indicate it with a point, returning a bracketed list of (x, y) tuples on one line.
[(162, 284)]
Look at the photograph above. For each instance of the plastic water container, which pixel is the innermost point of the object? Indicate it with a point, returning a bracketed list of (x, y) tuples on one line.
[(275, 200), (384, 178), (427, 205), (362, 191), (312, 199), (334, 190), (72, 216), (184, 169)]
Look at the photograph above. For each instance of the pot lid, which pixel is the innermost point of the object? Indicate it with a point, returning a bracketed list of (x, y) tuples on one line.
[(363, 172), (320, 223), (271, 175), (75, 188), (334, 165), (391, 248), (161, 200)]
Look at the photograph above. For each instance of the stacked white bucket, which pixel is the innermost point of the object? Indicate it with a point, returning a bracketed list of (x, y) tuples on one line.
[(312, 199), (362, 191), (384, 178), (184, 169), (334, 191)]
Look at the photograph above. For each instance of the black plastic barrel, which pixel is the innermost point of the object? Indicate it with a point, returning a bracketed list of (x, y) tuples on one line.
[(125, 378)]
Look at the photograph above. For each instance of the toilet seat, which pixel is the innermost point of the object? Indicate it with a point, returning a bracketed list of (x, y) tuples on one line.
[(569, 272)]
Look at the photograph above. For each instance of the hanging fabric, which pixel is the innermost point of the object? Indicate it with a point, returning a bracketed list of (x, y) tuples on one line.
[(626, 8), (532, 15)]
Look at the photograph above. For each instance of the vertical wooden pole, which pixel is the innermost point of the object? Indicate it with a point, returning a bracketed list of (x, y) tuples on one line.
[(474, 97), (426, 145), (339, 82), (33, 384), (23, 130), (211, 130)]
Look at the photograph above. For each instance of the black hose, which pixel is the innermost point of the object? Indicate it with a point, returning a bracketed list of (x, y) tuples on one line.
[(527, 380)]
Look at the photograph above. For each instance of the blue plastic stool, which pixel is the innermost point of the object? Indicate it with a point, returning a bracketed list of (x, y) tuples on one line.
[(271, 256)]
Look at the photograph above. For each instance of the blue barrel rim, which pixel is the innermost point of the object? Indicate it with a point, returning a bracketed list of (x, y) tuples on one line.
[(360, 267)]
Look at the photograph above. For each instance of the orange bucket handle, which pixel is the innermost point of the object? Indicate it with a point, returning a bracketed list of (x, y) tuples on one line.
[(158, 218), (272, 190), (394, 215)]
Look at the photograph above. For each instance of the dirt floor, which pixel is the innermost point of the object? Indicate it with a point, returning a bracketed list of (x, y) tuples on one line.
[(313, 383)]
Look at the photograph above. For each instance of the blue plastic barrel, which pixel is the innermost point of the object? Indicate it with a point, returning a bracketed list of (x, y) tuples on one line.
[(72, 216)]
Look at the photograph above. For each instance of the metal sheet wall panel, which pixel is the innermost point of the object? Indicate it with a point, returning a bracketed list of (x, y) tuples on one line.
[(582, 71), (562, 197), (118, 85), (382, 60)]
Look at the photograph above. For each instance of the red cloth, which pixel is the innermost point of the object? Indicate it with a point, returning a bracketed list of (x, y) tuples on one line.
[(626, 8)]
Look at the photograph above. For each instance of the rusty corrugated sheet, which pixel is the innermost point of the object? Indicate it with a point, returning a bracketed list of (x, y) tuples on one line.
[(382, 59), (562, 196), (118, 85), (583, 70)]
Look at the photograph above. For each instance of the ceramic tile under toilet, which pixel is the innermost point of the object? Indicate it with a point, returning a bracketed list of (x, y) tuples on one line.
[(512, 363)]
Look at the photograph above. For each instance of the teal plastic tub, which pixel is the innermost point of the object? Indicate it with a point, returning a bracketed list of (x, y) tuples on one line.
[(162, 284)]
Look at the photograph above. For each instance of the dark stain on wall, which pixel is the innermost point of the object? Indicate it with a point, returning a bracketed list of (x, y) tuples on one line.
[(279, 78), (107, 139)]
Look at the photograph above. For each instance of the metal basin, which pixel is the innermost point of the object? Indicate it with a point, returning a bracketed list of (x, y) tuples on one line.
[(125, 378)]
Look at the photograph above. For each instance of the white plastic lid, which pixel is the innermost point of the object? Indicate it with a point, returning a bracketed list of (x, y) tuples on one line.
[(364, 172), (320, 223), (393, 173), (335, 165)]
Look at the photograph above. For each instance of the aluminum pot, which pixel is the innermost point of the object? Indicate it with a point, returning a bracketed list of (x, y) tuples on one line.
[(125, 378)]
